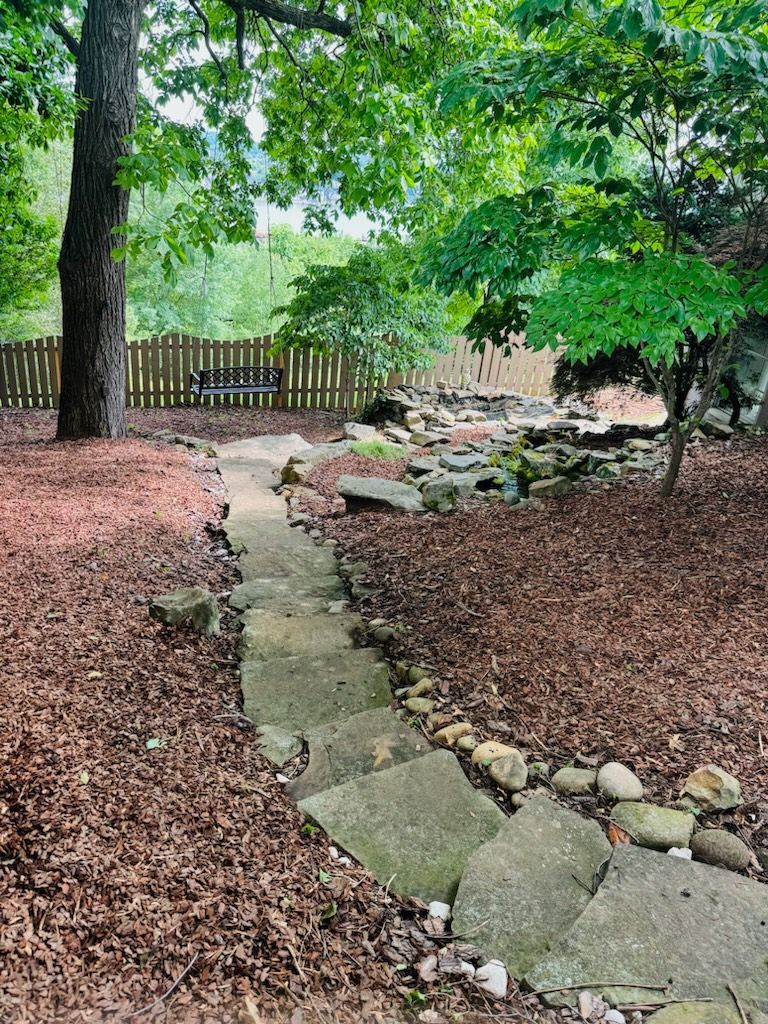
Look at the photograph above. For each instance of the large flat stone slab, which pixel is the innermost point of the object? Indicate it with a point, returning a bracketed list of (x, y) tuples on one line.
[(302, 692), (522, 890), (414, 826), (286, 560), (658, 919), (372, 741), (274, 448), (268, 634), (374, 492), (302, 595), (257, 534)]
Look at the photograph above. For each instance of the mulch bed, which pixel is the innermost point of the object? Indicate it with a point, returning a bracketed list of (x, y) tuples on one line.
[(125, 862), (219, 423), (611, 624)]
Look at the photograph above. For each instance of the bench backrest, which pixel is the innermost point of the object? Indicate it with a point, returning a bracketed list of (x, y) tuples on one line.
[(266, 377)]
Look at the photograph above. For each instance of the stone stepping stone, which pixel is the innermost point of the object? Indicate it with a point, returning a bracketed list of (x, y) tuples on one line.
[(519, 892), (298, 693), (286, 560), (254, 535), (372, 741), (658, 919), (414, 826), (300, 595), (267, 634)]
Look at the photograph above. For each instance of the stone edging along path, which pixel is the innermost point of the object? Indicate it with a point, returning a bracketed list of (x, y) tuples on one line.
[(542, 892)]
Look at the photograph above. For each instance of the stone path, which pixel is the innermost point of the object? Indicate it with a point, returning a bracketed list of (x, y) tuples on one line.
[(522, 886)]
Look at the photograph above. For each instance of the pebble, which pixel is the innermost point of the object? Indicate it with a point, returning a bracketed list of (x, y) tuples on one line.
[(574, 781), (440, 910), (421, 688), (492, 978), (490, 751), (538, 770), (724, 849), (383, 634), (680, 851), (419, 705), (452, 733), (510, 772), (416, 673), (614, 1017), (466, 744), (617, 782)]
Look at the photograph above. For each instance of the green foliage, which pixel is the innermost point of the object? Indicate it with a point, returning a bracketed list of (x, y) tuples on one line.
[(369, 310), (651, 303), (377, 450)]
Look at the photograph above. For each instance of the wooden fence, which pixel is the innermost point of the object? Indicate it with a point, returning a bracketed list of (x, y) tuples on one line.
[(157, 372)]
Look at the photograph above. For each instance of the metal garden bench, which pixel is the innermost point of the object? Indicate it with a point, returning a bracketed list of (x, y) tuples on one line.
[(236, 380)]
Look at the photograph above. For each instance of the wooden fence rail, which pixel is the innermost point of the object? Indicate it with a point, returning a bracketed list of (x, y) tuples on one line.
[(157, 372)]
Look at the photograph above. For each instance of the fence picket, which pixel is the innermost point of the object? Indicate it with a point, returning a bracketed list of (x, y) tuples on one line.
[(158, 369)]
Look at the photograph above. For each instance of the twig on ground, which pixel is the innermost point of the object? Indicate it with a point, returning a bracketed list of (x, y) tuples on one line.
[(168, 992), (739, 1007), (598, 985)]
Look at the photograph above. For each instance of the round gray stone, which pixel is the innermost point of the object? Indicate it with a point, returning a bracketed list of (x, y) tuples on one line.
[(716, 846), (510, 772), (617, 782), (658, 828), (574, 781)]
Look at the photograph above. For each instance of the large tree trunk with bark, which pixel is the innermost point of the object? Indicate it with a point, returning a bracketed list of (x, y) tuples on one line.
[(92, 284)]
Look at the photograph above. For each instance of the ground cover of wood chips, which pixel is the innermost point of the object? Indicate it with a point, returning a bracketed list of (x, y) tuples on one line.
[(217, 423), (608, 625), (142, 838)]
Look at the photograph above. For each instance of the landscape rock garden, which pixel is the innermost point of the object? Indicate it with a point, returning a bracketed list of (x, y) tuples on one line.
[(527, 449), (634, 911)]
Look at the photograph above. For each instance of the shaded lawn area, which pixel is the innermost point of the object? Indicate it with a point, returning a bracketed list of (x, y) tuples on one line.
[(121, 865), (220, 423), (612, 624)]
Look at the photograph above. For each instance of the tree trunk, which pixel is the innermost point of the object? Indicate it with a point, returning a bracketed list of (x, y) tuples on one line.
[(677, 439), (92, 283)]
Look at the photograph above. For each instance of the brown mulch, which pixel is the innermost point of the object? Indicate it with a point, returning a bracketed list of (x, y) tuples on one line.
[(123, 860), (219, 423), (628, 404), (323, 480), (610, 624)]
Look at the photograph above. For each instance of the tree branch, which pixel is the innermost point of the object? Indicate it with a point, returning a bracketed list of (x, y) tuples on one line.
[(207, 37), (298, 17), (70, 41)]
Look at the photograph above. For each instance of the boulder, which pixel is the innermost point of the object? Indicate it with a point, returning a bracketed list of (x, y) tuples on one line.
[(300, 465), (189, 604), (712, 789), (724, 849), (658, 828), (617, 782), (366, 491), (510, 772), (439, 495), (467, 485), (553, 488), (398, 434), (425, 438), (359, 432), (574, 781), (596, 459), (609, 471), (412, 419), (464, 463), (640, 444), (422, 466)]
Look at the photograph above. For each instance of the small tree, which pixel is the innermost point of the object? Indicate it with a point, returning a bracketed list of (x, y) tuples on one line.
[(369, 310), (684, 91)]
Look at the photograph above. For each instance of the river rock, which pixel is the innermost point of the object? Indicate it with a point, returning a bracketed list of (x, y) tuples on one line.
[(712, 789), (510, 772), (466, 744), (419, 705), (658, 828), (553, 488), (574, 781), (451, 734), (724, 849), (490, 751), (640, 444), (371, 491), (617, 782), (439, 495)]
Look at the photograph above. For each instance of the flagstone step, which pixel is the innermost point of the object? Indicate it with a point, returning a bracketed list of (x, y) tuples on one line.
[(302, 595), (278, 561), (371, 741), (413, 826), (524, 888), (657, 920), (299, 693), (253, 535), (268, 634)]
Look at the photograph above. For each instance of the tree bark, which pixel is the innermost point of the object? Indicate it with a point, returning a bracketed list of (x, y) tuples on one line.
[(92, 400), (677, 446)]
